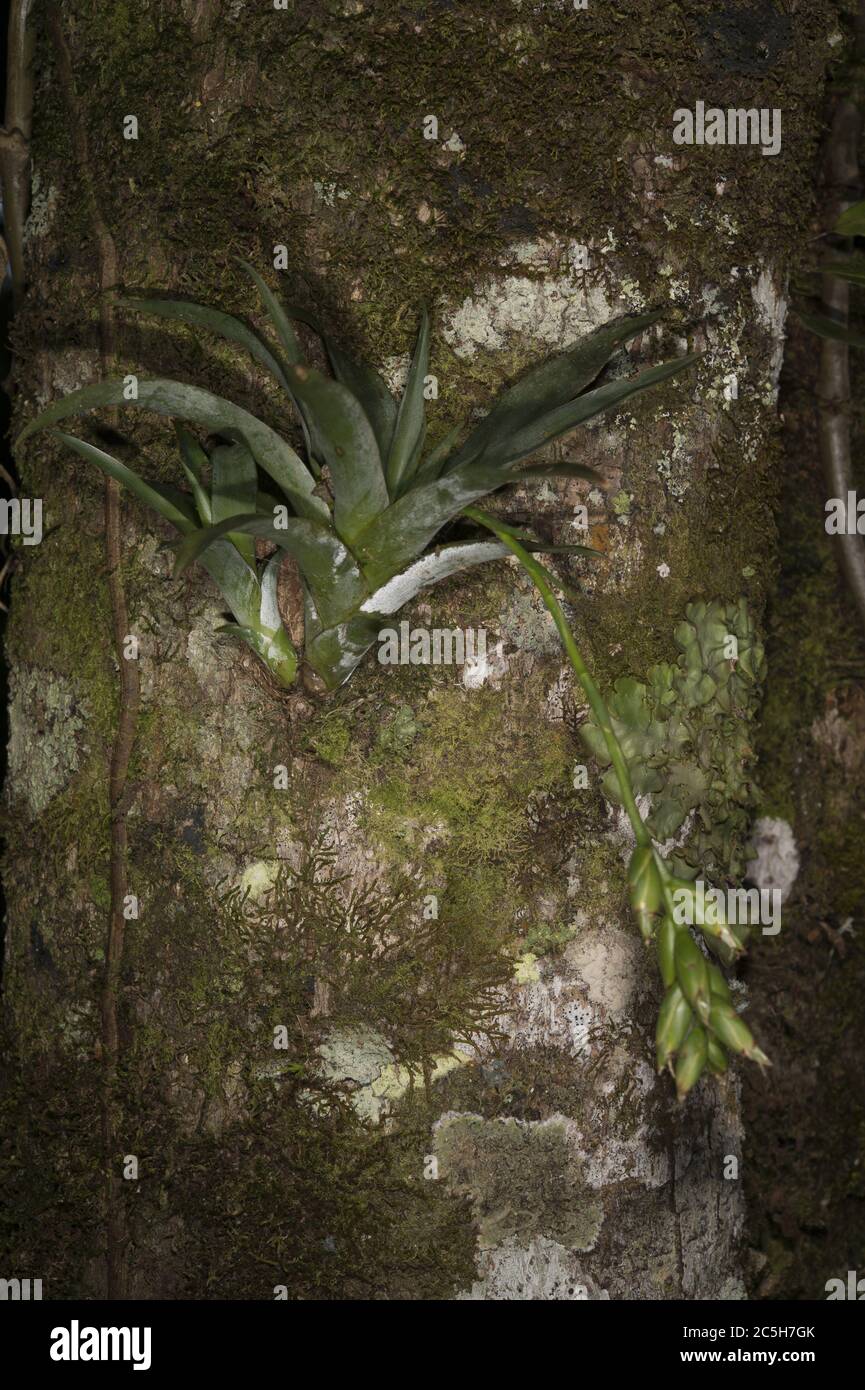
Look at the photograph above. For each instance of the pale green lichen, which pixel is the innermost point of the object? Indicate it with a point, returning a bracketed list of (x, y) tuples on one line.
[(523, 1178), (259, 879), (43, 208), (46, 725), (526, 970), (361, 1060)]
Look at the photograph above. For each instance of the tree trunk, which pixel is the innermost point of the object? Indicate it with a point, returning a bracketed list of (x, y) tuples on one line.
[(384, 1024)]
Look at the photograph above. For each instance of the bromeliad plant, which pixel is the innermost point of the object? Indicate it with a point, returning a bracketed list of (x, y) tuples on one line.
[(360, 512), (697, 1023)]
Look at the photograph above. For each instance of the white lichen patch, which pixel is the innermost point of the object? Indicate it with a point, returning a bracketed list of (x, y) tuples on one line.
[(46, 724), (486, 668), (395, 372), (43, 209), (620, 1152), (355, 1058), (328, 193), (554, 310), (343, 823), (551, 1011), (776, 862), (675, 466), (527, 624), (840, 737), (205, 655), (361, 1060), (771, 302), (554, 701), (607, 960), (65, 370), (542, 1269)]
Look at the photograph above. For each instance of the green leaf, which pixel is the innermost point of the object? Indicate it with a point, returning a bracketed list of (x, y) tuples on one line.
[(275, 649), (541, 574), (234, 491), (368, 387), (403, 532), (232, 575), (825, 327), (692, 974), (291, 348), (409, 428), (405, 529), (851, 268), (349, 449), (183, 517), (852, 220), (193, 461), (437, 457), (666, 817), (215, 321), (555, 423), (278, 316), (311, 620), (362, 381), (691, 1061), (549, 386), (236, 582), (269, 616), (177, 400), (544, 547), (674, 1019), (431, 569), (327, 567), (335, 651)]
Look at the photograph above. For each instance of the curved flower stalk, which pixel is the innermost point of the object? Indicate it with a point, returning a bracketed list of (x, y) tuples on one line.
[(360, 511), (697, 1023)]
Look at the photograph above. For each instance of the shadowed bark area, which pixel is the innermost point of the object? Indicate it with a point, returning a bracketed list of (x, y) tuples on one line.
[(384, 1023)]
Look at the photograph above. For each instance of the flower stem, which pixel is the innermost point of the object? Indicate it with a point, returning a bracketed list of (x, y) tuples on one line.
[(544, 581)]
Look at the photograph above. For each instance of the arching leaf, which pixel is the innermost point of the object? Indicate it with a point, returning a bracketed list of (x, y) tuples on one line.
[(175, 399), (349, 449), (409, 428), (327, 566)]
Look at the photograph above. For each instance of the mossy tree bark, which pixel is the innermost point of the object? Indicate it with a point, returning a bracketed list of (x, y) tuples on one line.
[(385, 1026)]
